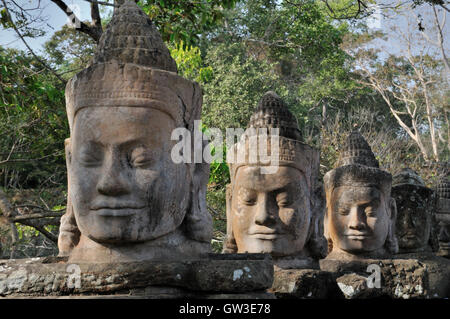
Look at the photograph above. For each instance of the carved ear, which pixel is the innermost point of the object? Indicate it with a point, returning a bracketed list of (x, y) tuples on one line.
[(229, 246), (69, 234), (198, 220), (391, 241), (317, 244), (68, 151)]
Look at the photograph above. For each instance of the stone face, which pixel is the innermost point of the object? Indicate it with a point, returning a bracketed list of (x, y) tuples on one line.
[(407, 276), (273, 211), (360, 215), (443, 215), (128, 200), (234, 274), (415, 207)]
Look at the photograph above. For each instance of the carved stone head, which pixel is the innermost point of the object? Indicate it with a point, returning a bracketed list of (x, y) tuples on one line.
[(129, 200), (443, 215), (360, 215), (273, 211), (414, 211)]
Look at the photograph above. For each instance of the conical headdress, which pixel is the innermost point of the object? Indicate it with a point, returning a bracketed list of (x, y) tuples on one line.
[(443, 187), (132, 67), (407, 176), (131, 37), (356, 150), (443, 197), (357, 166), (271, 113)]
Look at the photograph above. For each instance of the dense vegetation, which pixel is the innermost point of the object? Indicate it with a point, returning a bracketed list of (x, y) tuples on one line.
[(324, 66)]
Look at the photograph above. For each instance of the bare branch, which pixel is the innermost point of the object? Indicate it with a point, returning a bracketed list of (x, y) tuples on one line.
[(28, 47), (35, 216), (92, 31)]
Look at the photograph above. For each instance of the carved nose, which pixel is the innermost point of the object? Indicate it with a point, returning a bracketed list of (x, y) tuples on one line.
[(356, 221), (263, 215), (113, 181)]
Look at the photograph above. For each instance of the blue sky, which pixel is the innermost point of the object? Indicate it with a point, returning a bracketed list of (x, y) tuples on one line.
[(56, 19)]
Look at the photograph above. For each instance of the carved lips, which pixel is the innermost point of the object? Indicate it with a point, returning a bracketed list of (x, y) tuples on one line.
[(265, 233), (118, 209), (358, 236)]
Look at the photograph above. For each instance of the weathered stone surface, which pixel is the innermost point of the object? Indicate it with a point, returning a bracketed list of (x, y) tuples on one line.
[(271, 201), (239, 275), (360, 216), (409, 276), (415, 208), (443, 214), (128, 199), (304, 284)]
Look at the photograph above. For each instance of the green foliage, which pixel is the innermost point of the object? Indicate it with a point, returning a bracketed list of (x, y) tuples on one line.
[(184, 21), (237, 84), (69, 51), (32, 122), (190, 63)]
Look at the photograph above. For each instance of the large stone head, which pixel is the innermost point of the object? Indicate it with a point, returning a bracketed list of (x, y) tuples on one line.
[(123, 185), (443, 215), (360, 215), (414, 211), (269, 206)]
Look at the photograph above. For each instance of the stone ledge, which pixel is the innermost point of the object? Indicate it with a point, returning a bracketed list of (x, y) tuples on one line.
[(234, 274), (304, 284), (407, 276)]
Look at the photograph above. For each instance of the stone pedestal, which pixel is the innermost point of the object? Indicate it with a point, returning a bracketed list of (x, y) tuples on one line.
[(407, 276), (304, 284), (215, 276)]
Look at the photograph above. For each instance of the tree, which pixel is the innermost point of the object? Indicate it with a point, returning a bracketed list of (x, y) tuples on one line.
[(413, 86), (176, 20)]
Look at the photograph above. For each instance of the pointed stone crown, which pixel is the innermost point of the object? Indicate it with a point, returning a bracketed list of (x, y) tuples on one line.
[(357, 166), (272, 112), (407, 176), (408, 180), (356, 150), (131, 37), (132, 67), (443, 187)]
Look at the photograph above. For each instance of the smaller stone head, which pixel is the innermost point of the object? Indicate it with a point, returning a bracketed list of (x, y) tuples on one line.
[(414, 211), (443, 215), (272, 212), (360, 214)]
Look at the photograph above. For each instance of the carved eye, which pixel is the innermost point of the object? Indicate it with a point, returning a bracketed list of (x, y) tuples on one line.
[(370, 211), (140, 157), (343, 211), (283, 199), (247, 196), (90, 157)]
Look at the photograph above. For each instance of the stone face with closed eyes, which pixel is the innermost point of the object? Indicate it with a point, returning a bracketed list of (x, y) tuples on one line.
[(360, 216), (128, 199)]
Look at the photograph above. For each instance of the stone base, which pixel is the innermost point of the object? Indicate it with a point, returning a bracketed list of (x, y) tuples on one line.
[(304, 284), (406, 276), (218, 276)]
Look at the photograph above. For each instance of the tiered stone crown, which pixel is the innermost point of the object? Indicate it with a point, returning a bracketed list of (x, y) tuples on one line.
[(272, 112), (132, 67), (356, 150), (131, 37), (443, 187), (407, 176), (357, 166)]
